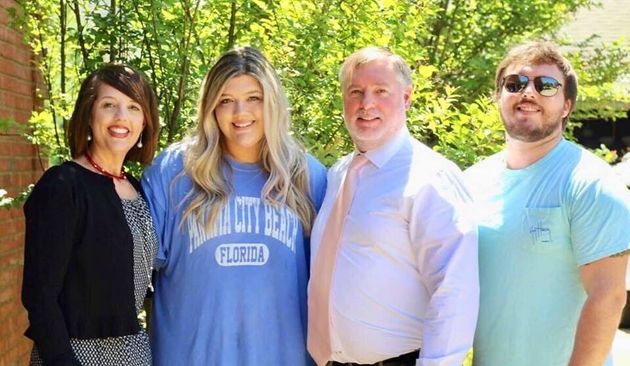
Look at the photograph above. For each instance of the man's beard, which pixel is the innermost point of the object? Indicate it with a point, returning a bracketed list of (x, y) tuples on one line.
[(528, 133)]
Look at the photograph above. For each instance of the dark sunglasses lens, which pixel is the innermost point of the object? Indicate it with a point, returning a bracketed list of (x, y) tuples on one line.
[(546, 86), (515, 83)]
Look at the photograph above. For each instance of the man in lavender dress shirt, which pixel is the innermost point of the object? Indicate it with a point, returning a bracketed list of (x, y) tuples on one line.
[(404, 289)]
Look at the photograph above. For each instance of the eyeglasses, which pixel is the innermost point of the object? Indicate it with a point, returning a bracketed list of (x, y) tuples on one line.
[(544, 85)]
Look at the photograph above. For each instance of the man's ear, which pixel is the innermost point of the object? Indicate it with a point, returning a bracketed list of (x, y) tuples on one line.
[(407, 93), (566, 109)]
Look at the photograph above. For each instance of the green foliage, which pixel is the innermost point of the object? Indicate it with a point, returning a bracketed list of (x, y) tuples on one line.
[(606, 154), (469, 359), (452, 45), (42, 132), (9, 126), (598, 68), (7, 202), (4, 200), (464, 135)]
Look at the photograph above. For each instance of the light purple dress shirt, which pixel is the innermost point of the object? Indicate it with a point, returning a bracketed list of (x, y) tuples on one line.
[(406, 275)]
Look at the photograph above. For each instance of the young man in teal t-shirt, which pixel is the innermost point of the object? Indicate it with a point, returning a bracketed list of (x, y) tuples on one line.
[(553, 227)]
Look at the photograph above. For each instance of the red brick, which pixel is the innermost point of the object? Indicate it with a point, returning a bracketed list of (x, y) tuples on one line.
[(11, 242), (18, 224), (10, 293), (17, 212), (12, 308), (10, 35), (14, 328), (7, 229), (16, 53), (5, 148), (4, 17), (20, 148), (16, 100), (17, 356), (19, 115), (5, 183), (8, 214), (11, 68), (19, 166), (16, 343), (24, 164), (21, 180), (24, 87), (8, 280), (15, 309), (10, 228), (12, 258), (7, 4), (16, 320), (16, 147), (15, 350)]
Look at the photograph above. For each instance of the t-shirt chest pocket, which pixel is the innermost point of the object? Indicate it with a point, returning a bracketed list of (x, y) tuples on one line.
[(546, 228)]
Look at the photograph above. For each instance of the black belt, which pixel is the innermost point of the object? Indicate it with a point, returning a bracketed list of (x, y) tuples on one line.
[(408, 359)]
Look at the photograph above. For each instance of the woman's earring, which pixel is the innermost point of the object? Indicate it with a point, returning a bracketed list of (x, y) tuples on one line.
[(89, 135), (139, 144)]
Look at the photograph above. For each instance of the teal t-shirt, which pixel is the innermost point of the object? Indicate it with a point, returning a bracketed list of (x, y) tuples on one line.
[(537, 226)]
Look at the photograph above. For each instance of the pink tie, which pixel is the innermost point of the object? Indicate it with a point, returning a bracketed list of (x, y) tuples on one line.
[(318, 340)]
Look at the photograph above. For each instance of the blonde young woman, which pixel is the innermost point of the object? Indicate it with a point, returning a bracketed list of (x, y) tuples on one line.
[(233, 206)]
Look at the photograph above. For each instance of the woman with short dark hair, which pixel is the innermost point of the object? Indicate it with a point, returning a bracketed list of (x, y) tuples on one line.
[(90, 241)]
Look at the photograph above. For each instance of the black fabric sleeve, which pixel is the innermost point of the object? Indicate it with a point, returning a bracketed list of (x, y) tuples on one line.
[(51, 214)]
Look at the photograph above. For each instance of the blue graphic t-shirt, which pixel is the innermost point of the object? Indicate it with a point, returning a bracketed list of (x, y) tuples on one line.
[(235, 295)]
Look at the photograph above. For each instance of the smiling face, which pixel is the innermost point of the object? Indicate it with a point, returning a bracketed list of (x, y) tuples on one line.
[(529, 116), (239, 114), (116, 123), (375, 103)]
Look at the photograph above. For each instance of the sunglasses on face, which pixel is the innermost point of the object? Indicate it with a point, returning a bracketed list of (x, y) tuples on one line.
[(544, 85)]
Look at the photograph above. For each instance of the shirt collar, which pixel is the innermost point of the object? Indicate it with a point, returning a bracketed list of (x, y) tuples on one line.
[(381, 155)]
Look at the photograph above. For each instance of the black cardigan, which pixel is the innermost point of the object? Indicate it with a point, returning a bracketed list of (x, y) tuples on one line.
[(78, 262)]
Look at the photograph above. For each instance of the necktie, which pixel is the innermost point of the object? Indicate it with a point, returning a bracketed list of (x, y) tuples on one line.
[(318, 340)]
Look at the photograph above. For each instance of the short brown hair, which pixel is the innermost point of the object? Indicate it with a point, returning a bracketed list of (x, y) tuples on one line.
[(540, 53), (129, 82), (369, 54)]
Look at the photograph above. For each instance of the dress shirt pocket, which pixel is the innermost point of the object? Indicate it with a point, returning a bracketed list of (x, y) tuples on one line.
[(546, 228)]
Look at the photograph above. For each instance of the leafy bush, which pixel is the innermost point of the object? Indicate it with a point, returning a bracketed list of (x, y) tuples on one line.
[(453, 47)]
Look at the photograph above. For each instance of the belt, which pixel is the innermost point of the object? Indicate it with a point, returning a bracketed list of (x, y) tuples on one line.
[(408, 359)]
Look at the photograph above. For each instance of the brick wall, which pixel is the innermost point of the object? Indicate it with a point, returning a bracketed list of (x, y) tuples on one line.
[(19, 166)]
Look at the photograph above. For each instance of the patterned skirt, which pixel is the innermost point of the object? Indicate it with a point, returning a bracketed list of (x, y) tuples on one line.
[(131, 350)]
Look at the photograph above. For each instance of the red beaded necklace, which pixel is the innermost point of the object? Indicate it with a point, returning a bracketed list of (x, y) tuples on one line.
[(103, 171)]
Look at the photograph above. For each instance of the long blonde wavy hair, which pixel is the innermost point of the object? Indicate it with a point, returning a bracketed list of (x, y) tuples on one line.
[(282, 157)]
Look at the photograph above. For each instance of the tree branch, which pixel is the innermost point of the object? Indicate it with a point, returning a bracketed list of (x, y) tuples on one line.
[(113, 55), (84, 52), (231, 30), (183, 76), (62, 54)]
